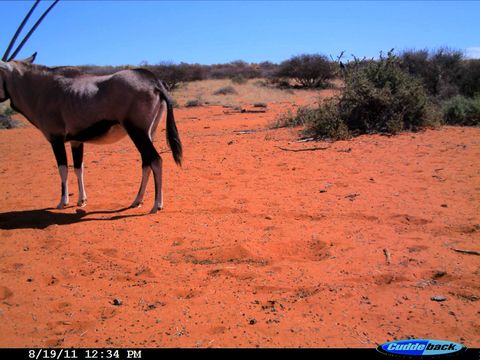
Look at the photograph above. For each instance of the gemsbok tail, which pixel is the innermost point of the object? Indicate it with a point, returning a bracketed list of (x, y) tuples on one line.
[(173, 138)]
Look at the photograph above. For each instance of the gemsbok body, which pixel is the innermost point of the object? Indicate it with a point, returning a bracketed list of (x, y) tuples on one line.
[(67, 105)]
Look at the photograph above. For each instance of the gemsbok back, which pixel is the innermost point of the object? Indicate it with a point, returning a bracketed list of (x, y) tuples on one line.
[(67, 105)]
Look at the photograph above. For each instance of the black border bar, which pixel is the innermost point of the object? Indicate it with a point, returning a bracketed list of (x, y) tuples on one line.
[(222, 353)]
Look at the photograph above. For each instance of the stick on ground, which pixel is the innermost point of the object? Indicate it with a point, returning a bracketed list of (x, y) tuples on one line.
[(470, 252), (304, 149), (387, 255)]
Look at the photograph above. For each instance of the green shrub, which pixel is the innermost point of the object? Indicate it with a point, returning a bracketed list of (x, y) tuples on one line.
[(326, 122), (323, 122), (378, 97), (381, 97), (227, 90), (303, 115), (460, 110)]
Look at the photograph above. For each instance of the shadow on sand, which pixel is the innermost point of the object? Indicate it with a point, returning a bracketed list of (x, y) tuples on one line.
[(43, 218)]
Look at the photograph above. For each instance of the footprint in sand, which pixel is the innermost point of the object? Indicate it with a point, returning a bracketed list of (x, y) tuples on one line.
[(417, 248), (61, 307), (109, 252), (5, 293), (387, 279), (236, 254), (410, 219), (318, 250), (144, 271), (217, 330)]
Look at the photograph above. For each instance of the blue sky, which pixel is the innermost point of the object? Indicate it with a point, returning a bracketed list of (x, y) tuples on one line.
[(206, 32)]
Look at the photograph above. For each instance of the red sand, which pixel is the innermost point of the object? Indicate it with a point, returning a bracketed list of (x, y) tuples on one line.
[(256, 246)]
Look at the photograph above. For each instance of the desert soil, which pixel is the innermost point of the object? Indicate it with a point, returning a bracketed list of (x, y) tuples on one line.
[(256, 246)]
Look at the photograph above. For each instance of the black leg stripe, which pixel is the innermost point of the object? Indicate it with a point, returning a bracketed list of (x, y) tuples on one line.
[(59, 151), (77, 154)]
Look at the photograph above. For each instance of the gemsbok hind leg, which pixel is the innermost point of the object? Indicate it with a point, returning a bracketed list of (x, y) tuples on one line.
[(77, 154), (61, 157), (146, 170), (150, 160)]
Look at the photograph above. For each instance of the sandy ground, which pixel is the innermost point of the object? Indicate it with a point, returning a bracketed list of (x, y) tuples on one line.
[(256, 246)]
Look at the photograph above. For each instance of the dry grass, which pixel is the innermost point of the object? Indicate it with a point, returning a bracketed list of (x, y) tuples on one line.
[(6, 112), (5, 107), (248, 93)]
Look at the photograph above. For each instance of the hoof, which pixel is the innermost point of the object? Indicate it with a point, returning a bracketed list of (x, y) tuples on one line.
[(61, 206), (136, 204), (82, 203), (155, 209)]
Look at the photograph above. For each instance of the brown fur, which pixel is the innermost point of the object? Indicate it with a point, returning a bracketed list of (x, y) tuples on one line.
[(66, 104)]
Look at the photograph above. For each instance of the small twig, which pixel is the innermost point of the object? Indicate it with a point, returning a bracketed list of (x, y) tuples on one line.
[(358, 337), (305, 140), (303, 149), (241, 132), (470, 252), (387, 255), (352, 196), (250, 111)]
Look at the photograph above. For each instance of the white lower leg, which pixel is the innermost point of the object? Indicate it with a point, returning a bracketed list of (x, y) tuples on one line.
[(82, 195), (143, 185), (63, 170), (157, 173)]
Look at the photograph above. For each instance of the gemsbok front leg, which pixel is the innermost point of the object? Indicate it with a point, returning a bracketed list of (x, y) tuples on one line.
[(61, 157), (77, 154)]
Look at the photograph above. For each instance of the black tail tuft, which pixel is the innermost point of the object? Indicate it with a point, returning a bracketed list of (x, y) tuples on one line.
[(173, 139)]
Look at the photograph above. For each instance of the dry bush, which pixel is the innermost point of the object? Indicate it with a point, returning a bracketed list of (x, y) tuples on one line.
[(311, 71), (6, 121), (233, 69), (226, 90), (443, 72), (470, 78), (193, 103), (239, 79)]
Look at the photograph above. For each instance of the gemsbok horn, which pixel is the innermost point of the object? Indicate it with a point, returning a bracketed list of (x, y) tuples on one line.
[(68, 105)]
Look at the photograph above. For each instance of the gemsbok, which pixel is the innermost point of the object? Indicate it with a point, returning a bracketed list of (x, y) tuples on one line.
[(68, 105)]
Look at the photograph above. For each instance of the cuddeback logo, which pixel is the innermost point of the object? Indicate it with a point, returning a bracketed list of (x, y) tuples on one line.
[(421, 347)]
